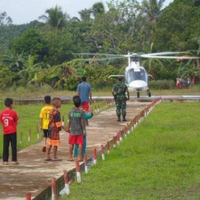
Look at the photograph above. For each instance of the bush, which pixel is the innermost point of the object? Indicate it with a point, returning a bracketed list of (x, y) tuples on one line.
[(162, 84), (6, 78)]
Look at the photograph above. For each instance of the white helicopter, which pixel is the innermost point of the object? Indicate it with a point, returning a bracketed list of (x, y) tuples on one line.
[(136, 76)]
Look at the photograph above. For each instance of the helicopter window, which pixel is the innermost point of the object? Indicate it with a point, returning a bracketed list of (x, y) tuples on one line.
[(134, 75)]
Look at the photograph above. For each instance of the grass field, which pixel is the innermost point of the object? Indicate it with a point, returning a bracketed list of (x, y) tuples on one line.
[(29, 118), (160, 160), (25, 93)]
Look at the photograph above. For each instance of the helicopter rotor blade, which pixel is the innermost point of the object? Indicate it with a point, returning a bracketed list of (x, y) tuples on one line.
[(171, 57), (99, 54), (99, 59), (165, 53)]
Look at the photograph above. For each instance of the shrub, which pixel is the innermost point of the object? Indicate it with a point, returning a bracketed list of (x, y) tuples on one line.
[(162, 84)]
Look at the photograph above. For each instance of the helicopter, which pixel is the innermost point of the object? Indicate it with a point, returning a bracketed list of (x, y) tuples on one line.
[(136, 76)]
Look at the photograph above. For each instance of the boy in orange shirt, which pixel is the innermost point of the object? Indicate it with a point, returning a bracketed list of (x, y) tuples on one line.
[(55, 126)]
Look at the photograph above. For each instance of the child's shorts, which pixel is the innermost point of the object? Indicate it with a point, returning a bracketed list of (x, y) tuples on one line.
[(76, 139), (54, 143), (45, 133)]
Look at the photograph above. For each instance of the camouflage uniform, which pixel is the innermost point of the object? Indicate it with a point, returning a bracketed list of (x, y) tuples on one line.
[(119, 91)]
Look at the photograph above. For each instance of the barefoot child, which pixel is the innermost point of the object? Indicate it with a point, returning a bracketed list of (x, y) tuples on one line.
[(9, 119), (54, 129), (76, 128), (44, 117)]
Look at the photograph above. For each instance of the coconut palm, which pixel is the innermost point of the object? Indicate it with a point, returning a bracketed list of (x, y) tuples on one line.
[(98, 9), (152, 8), (85, 14), (55, 17), (5, 19)]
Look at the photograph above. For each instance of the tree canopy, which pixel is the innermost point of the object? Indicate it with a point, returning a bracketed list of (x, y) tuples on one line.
[(43, 51)]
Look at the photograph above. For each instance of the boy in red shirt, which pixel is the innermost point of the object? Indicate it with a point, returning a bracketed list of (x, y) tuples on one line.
[(8, 119)]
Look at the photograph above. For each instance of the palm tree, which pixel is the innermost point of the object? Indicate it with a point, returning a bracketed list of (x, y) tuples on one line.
[(98, 9), (5, 19), (152, 8), (85, 14), (55, 17)]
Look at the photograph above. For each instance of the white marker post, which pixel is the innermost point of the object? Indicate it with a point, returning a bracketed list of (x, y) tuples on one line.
[(29, 136), (66, 183), (108, 147), (95, 156), (53, 189), (86, 164), (103, 152), (38, 133), (78, 172)]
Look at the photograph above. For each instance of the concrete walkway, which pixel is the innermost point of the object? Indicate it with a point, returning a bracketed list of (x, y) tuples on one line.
[(33, 174)]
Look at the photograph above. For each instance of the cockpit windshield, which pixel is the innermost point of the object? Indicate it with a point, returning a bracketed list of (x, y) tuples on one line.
[(132, 75)]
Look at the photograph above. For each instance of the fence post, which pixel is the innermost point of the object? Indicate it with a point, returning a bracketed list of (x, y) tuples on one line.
[(108, 147), (95, 156), (66, 182), (21, 138), (86, 164), (103, 152), (78, 172), (38, 132), (29, 135), (53, 189), (114, 142), (28, 196)]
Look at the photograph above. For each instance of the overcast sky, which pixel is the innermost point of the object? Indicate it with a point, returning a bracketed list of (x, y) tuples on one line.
[(24, 11)]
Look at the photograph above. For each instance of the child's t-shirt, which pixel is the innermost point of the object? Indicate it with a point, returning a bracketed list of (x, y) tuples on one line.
[(75, 117), (45, 116), (9, 118)]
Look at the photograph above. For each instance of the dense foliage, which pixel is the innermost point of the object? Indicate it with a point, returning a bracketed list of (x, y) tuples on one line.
[(44, 51)]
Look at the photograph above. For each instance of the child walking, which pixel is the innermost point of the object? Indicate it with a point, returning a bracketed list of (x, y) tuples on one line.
[(9, 119), (44, 118), (87, 115), (54, 129), (76, 128)]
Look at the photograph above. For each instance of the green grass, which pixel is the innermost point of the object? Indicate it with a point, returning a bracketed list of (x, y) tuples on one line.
[(160, 160), (29, 119), (22, 93)]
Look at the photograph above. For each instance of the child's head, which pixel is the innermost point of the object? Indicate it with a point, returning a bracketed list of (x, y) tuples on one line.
[(77, 101), (47, 99), (57, 102), (8, 103)]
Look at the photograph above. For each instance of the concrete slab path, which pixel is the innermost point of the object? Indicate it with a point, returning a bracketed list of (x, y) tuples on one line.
[(33, 174)]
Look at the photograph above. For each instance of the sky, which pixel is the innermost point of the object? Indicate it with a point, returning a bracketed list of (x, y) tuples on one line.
[(24, 11)]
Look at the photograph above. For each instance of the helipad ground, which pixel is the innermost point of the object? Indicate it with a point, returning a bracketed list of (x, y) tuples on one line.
[(33, 174)]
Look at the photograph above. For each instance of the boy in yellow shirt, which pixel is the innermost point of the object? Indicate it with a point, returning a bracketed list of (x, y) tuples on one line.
[(45, 118)]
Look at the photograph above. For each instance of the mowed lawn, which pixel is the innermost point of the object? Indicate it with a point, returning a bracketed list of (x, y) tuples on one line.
[(29, 119), (160, 160)]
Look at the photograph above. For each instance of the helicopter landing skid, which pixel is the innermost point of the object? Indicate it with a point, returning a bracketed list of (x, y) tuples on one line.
[(148, 93)]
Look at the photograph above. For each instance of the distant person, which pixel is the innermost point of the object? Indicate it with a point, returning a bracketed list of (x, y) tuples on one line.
[(119, 92), (193, 82), (76, 128), (178, 83), (9, 119), (189, 82), (85, 93), (55, 126), (45, 116)]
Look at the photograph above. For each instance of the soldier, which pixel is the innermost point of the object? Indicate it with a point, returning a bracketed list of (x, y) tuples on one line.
[(119, 92)]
